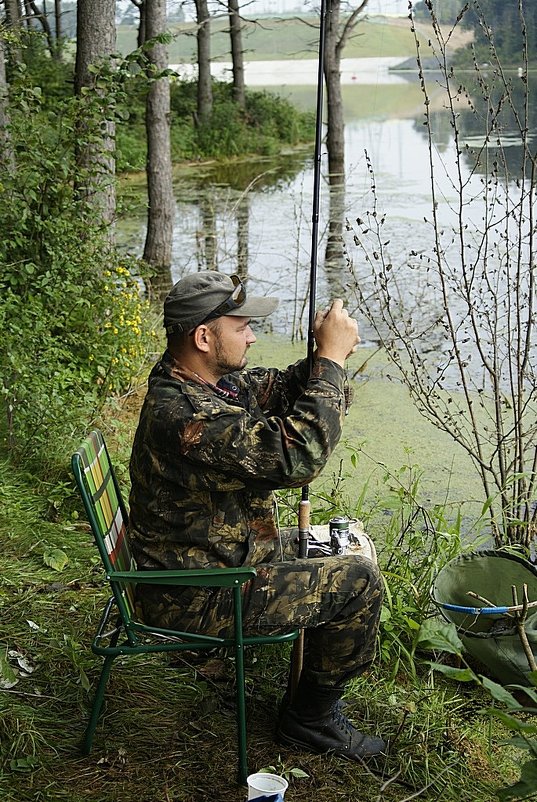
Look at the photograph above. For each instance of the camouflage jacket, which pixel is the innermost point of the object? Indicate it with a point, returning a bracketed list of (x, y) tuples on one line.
[(206, 459)]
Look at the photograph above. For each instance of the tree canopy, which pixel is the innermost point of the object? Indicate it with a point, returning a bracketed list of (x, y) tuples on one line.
[(492, 21)]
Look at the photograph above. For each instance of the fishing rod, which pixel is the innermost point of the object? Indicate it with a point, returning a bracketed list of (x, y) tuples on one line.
[(304, 509)]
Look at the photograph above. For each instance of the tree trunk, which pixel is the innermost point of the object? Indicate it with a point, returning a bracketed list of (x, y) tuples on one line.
[(158, 243), (142, 25), (141, 5), (243, 235), (13, 13), (335, 143), (13, 23), (335, 133), (27, 15), (237, 53), (205, 89), (58, 27), (7, 155), (41, 17), (337, 35), (96, 41)]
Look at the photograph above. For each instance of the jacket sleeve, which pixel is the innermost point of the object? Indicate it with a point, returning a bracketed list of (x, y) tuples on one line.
[(277, 390), (232, 447)]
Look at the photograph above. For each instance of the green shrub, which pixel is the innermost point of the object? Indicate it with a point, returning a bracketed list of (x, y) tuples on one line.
[(71, 312), (37, 68), (267, 123), (277, 117), (131, 149)]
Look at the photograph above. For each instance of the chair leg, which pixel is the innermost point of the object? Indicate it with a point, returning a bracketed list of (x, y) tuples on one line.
[(97, 704), (241, 715), (240, 689)]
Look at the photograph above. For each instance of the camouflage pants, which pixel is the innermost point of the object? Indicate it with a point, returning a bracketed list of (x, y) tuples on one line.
[(336, 600)]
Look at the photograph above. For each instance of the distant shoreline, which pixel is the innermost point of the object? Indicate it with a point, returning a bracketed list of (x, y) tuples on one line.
[(301, 72)]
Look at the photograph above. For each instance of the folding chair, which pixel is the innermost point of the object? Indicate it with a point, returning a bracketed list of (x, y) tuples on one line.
[(120, 632)]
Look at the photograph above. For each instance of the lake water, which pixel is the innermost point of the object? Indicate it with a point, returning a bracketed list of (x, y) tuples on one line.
[(279, 207), (263, 209), (259, 214), (268, 74)]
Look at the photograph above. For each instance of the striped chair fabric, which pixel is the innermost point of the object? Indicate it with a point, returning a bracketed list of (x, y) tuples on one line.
[(108, 513)]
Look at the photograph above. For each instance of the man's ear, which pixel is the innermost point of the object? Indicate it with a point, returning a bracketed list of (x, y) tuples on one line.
[(201, 336)]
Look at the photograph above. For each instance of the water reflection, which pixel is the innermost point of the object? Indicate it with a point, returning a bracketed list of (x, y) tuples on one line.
[(228, 213), (494, 120), (255, 216), (464, 274), (253, 174), (206, 236)]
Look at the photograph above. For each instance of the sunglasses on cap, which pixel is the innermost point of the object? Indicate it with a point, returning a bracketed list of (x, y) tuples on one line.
[(235, 301)]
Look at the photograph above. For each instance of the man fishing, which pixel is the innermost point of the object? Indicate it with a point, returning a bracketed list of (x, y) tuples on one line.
[(214, 441)]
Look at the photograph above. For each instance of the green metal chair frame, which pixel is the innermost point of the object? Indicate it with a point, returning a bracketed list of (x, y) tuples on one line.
[(119, 631)]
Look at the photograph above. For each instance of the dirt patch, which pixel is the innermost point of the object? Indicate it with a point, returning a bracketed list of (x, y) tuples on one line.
[(454, 37)]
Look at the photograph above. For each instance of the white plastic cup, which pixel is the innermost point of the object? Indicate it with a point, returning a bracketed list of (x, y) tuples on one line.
[(263, 784)]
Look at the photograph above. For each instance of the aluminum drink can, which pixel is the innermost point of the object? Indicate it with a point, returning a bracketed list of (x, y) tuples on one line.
[(339, 534)]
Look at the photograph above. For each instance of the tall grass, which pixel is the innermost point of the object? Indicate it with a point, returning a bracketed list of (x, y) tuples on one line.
[(168, 730)]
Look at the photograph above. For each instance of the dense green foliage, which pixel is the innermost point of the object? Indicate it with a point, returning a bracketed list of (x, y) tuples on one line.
[(72, 304), (501, 24), (70, 319), (494, 23), (267, 124)]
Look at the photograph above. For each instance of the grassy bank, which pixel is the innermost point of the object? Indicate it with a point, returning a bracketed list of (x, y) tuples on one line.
[(168, 732), (269, 39)]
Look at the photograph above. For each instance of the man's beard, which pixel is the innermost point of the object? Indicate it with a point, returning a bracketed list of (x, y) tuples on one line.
[(224, 364)]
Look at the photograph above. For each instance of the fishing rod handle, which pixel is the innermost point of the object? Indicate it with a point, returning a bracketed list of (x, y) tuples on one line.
[(304, 511)]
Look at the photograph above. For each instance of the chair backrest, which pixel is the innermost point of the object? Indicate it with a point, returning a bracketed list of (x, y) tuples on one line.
[(106, 513)]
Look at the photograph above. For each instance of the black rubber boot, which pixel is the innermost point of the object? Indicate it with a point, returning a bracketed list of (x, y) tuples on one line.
[(315, 722), (340, 704)]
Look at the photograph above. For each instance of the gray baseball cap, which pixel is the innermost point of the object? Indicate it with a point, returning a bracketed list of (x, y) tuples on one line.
[(207, 295)]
